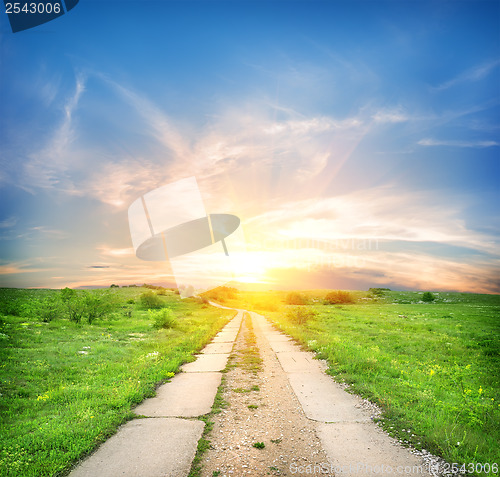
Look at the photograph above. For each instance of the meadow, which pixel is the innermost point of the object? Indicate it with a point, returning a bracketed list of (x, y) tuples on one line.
[(433, 367), (74, 364)]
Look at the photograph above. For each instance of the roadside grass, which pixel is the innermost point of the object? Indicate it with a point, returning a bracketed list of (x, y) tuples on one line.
[(204, 443), (250, 359), (66, 387), (433, 368)]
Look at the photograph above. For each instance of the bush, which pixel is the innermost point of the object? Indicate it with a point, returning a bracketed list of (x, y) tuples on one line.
[(67, 294), (75, 307), (97, 304), (150, 299), (294, 298), (428, 297), (338, 297), (378, 292), (43, 309), (300, 315), (162, 318)]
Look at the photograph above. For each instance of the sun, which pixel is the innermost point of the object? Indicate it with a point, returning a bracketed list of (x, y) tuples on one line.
[(250, 267)]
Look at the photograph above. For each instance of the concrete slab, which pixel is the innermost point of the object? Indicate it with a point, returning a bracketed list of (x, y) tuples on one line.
[(284, 346), (324, 400), (227, 334), (155, 447), (206, 362), (298, 362), (360, 450), (218, 348), (186, 395), (224, 338), (276, 336)]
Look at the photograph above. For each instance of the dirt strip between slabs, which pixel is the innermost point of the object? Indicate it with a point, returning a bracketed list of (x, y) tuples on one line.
[(283, 416), (286, 417)]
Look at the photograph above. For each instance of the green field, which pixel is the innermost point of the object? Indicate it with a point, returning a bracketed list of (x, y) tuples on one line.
[(434, 368), (65, 386)]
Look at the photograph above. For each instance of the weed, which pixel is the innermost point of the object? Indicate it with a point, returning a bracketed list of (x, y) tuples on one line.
[(149, 299), (163, 318), (252, 406), (300, 315), (259, 445)]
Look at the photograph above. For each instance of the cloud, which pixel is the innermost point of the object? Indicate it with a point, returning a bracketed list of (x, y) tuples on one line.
[(108, 251), (475, 73), (8, 223), (22, 267), (397, 115), (384, 213), (47, 168), (457, 143), (357, 238)]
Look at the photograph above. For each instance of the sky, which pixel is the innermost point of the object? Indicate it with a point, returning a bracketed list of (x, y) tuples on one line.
[(357, 141)]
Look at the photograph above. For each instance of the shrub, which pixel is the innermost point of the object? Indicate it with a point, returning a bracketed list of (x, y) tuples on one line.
[(67, 294), (150, 299), (337, 297), (43, 309), (75, 307), (97, 304), (295, 298), (428, 297), (378, 292), (162, 318), (13, 307), (300, 315)]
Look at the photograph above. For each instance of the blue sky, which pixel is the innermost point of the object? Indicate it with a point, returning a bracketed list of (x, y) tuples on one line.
[(358, 141)]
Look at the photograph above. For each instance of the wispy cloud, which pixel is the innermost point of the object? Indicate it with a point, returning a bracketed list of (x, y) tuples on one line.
[(457, 143), (8, 223), (397, 115), (475, 73), (371, 214), (47, 167)]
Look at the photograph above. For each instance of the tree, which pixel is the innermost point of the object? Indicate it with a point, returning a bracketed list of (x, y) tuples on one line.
[(428, 297)]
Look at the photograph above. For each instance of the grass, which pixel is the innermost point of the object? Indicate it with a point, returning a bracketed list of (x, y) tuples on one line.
[(204, 443), (432, 367), (66, 387), (250, 359)]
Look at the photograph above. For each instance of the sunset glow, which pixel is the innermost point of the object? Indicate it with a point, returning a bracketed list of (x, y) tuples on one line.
[(356, 141)]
